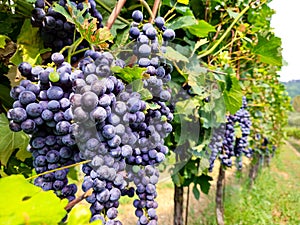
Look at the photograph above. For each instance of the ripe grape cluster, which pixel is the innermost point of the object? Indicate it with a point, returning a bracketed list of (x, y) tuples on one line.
[(43, 110), (98, 133), (225, 143), (242, 116), (56, 31), (151, 150), (86, 113), (114, 128)]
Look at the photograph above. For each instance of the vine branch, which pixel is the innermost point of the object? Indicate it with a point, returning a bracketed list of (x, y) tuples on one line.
[(225, 34), (79, 199), (114, 14), (154, 10), (145, 4), (104, 6), (61, 168)]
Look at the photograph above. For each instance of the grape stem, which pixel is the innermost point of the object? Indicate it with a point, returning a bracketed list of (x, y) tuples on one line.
[(71, 204), (154, 10), (145, 4), (61, 168), (114, 14), (104, 6), (73, 48)]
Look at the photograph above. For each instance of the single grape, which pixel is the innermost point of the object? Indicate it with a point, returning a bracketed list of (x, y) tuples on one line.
[(137, 16)]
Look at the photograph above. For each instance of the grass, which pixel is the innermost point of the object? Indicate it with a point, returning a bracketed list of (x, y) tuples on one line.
[(295, 143), (273, 200)]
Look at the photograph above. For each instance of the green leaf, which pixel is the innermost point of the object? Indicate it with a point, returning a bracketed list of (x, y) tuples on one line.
[(269, 50), (138, 86), (26, 203), (152, 106), (231, 13), (173, 55), (220, 110), (5, 98), (196, 75), (196, 192), (13, 75), (30, 45), (119, 25), (129, 74), (233, 95), (80, 215), (204, 164), (3, 39), (73, 173), (182, 21), (10, 23), (188, 113), (185, 2), (238, 131), (188, 107), (201, 29), (203, 180), (10, 141), (60, 9), (121, 38)]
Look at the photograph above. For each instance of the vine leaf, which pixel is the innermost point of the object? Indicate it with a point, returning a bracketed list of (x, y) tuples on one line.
[(185, 2), (201, 29), (5, 98), (138, 86), (10, 141), (173, 55), (203, 180), (3, 39), (23, 203), (85, 24), (233, 95), (29, 46), (129, 74), (268, 48), (81, 215), (196, 192), (182, 22)]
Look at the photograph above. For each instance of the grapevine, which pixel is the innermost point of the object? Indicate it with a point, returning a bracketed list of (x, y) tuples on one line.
[(124, 92)]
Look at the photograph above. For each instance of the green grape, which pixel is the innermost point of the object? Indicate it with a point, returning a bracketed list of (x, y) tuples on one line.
[(135, 169), (54, 76)]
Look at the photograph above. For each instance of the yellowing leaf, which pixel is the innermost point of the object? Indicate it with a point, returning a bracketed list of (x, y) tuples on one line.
[(27, 204), (30, 45), (3, 39), (80, 215), (185, 2)]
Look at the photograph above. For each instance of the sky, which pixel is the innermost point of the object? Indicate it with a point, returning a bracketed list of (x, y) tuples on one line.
[(286, 24)]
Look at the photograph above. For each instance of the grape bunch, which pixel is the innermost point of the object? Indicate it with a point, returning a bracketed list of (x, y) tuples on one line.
[(86, 113), (98, 133), (147, 46), (56, 31), (222, 143), (145, 180), (225, 144), (242, 116), (43, 110), (113, 128), (149, 49)]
